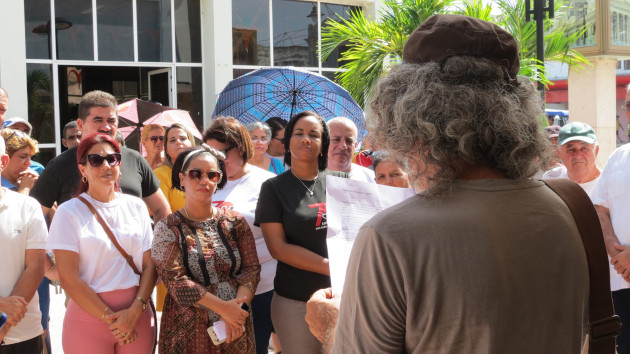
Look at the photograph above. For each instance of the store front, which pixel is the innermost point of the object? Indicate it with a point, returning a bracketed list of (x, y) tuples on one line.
[(180, 53)]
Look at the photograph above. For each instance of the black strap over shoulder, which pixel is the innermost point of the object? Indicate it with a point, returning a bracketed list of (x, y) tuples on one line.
[(604, 325)]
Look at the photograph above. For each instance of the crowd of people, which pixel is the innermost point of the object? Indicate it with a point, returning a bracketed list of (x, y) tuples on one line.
[(232, 228)]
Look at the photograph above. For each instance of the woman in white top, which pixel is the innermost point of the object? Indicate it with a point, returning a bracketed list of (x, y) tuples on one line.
[(241, 194), (107, 312)]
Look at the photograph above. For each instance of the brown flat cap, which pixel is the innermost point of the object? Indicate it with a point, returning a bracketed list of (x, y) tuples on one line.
[(443, 36)]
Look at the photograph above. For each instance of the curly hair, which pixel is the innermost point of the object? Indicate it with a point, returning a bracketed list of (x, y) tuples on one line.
[(456, 115), (15, 140)]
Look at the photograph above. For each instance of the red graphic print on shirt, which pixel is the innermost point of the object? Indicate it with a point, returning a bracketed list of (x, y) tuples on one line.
[(321, 213)]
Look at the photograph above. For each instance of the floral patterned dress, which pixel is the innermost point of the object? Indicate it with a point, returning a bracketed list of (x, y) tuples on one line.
[(193, 258)]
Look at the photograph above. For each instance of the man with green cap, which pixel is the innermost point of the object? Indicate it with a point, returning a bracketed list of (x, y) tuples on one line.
[(577, 149)]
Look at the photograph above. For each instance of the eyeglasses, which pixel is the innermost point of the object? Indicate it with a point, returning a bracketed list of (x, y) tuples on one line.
[(17, 133), (96, 160), (626, 106), (213, 176), (280, 140), (260, 140), (156, 138)]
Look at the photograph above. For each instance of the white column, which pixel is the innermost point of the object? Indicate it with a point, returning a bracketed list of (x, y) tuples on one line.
[(216, 26), (592, 101), (13, 57)]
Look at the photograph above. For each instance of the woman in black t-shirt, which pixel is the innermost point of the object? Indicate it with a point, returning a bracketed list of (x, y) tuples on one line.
[(291, 211)]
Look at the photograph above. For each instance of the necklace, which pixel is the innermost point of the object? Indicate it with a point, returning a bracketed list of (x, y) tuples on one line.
[(188, 217), (310, 191)]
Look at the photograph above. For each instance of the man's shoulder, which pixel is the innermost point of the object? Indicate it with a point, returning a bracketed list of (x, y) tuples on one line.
[(130, 153), (64, 159), (14, 199)]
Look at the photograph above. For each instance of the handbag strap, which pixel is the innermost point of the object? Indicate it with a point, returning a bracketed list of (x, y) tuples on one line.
[(109, 233), (604, 325)]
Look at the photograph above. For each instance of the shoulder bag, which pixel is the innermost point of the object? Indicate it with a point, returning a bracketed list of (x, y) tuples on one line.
[(125, 255), (604, 325)]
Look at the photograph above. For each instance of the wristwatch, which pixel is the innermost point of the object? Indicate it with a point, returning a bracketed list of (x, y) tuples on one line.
[(144, 303)]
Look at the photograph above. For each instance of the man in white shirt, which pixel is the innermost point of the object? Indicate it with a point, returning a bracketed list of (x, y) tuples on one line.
[(23, 239), (577, 148), (343, 141), (611, 197)]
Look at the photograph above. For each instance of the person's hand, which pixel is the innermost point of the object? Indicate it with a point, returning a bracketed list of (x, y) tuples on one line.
[(232, 313), (621, 261), (233, 331), (123, 325), (14, 307), (322, 311), (27, 179), (4, 330)]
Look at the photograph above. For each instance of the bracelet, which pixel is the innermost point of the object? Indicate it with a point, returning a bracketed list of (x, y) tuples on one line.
[(103, 315), (144, 303)]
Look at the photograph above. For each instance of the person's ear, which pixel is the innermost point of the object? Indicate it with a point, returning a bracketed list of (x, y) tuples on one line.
[(80, 125), (596, 150), (4, 161)]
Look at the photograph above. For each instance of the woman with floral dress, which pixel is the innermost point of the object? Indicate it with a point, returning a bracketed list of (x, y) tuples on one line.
[(208, 262)]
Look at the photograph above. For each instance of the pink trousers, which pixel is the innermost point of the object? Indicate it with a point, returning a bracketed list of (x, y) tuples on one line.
[(83, 333)]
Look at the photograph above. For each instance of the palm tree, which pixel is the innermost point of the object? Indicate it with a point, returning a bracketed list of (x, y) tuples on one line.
[(374, 46)]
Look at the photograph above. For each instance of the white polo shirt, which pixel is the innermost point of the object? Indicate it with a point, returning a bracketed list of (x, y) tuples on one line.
[(559, 172), (22, 227), (613, 192)]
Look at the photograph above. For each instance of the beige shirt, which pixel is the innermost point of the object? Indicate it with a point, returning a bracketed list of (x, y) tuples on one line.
[(495, 267)]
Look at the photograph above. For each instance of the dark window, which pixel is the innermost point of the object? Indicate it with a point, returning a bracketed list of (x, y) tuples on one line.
[(37, 29), (188, 31), (115, 30), (154, 30), (335, 12), (190, 93), (295, 33), (250, 32), (40, 102), (74, 30)]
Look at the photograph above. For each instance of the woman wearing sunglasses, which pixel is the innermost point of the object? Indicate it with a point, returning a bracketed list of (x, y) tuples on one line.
[(260, 133), (206, 257), (240, 193), (153, 143), (107, 310)]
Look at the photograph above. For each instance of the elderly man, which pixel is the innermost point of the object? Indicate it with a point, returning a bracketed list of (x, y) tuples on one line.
[(577, 150), (611, 197), (4, 103), (466, 266), (343, 141), (23, 239), (58, 182)]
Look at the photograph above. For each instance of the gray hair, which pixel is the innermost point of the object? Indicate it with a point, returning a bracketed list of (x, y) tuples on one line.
[(259, 125), (384, 156), (459, 114)]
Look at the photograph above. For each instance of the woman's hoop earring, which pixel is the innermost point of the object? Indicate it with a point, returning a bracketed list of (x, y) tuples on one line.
[(84, 179)]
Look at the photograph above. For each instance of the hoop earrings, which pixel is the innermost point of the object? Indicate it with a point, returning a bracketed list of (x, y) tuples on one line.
[(84, 179)]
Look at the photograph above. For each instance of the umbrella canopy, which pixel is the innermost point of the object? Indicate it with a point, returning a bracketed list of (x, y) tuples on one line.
[(136, 113), (283, 92)]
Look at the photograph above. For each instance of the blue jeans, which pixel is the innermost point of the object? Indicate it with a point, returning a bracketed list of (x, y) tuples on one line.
[(261, 310)]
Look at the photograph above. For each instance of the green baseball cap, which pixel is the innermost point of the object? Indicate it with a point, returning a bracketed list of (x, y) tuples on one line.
[(576, 131)]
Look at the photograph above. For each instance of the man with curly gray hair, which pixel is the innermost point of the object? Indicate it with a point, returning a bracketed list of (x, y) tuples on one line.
[(467, 266)]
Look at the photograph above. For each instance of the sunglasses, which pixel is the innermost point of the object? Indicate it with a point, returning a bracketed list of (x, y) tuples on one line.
[(156, 138), (96, 160), (213, 176)]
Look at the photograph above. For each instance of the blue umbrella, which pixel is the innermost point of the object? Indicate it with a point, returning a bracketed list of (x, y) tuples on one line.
[(283, 92)]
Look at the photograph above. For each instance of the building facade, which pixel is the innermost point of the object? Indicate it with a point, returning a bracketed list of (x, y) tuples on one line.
[(176, 52)]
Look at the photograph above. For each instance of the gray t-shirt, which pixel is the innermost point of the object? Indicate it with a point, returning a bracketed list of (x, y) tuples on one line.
[(497, 266)]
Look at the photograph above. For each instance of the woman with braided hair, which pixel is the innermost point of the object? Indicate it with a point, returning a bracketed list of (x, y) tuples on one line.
[(207, 259)]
